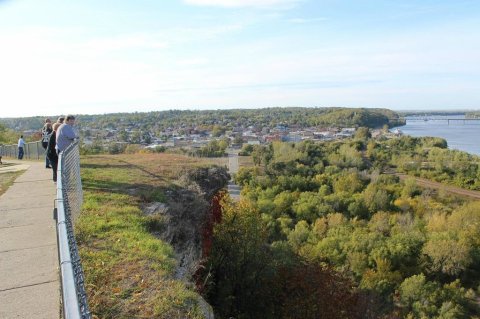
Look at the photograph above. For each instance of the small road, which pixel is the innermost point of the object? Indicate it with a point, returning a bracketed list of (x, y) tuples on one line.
[(423, 182), (233, 189), (232, 161)]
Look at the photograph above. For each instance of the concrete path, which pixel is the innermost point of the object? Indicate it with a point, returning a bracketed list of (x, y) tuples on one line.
[(29, 282)]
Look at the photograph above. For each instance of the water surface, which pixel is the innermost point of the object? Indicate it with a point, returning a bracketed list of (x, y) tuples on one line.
[(459, 136)]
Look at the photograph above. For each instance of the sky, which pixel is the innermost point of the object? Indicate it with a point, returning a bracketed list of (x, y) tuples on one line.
[(95, 57)]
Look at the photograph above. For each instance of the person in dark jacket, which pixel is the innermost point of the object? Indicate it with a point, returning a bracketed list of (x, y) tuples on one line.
[(46, 132), (52, 152)]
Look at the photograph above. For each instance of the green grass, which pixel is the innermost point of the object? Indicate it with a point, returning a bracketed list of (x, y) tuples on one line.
[(128, 271), (7, 179)]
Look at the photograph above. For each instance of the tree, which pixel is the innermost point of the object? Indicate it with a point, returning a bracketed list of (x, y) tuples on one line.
[(447, 254), (311, 291), (123, 136), (136, 137), (376, 199), (238, 140), (7, 136), (362, 133), (426, 299), (246, 150), (262, 155), (218, 131), (239, 263), (382, 278), (147, 138), (348, 182), (309, 207)]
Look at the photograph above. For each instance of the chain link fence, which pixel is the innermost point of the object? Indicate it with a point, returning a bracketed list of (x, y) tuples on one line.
[(32, 150), (69, 202)]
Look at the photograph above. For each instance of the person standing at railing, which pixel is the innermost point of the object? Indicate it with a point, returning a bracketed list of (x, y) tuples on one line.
[(66, 134), (21, 144), (46, 132), (52, 152)]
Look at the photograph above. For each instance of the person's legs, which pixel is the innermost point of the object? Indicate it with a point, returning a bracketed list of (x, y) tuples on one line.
[(54, 169), (20, 153), (47, 162)]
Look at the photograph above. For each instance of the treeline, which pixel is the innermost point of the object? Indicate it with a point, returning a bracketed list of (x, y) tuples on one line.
[(321, 232), (9, 136), (214, 148), (266, 117), (24, 123), (5, 137)]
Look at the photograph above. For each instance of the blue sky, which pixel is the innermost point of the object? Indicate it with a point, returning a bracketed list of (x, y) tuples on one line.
[(88, 56)]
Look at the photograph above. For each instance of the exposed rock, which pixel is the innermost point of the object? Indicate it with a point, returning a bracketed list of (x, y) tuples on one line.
[(155, 208), (205, 308), (183, 219), (185, 214), (209, 180)]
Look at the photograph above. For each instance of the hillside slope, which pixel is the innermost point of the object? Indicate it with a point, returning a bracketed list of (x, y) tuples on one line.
[(140, 233)]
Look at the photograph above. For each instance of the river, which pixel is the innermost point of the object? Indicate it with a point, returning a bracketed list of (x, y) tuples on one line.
[(459, 136)]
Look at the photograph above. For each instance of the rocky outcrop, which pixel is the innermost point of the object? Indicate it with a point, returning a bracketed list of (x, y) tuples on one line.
[(185, 214), (182, 219)]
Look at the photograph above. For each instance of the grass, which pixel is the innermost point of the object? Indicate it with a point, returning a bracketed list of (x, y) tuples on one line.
[(128, 271), (7, 179), (245, 161)]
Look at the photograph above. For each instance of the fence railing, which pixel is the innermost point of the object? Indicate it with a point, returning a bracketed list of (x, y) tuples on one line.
[(69, 202), (32, 150)]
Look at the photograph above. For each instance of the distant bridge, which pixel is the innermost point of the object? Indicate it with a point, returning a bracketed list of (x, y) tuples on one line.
[(448, 120)]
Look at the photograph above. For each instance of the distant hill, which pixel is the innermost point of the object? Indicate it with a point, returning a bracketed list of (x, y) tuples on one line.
[(265, 117), (360, 117)]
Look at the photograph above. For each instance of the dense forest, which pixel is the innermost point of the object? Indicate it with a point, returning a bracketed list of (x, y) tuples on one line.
[(322, 231)]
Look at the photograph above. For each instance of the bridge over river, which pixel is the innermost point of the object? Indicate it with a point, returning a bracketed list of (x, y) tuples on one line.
[(469, 121)]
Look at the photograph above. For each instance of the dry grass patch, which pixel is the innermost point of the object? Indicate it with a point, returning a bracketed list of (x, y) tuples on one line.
[(245, 161), (7, 179)]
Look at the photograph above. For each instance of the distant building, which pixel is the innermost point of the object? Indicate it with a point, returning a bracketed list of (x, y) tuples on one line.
[(292, 138)]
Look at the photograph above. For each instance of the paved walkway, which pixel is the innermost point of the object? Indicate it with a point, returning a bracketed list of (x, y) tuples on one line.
[(29, 282), (232, 188)]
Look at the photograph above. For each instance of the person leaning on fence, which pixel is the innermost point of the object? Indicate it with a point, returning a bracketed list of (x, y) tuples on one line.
[(21, 144), (52, 152), (46, 132), (66, 134)]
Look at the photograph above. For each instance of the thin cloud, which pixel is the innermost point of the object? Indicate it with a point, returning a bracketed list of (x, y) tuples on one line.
[(243, 3), (305, 21), (292, 85)]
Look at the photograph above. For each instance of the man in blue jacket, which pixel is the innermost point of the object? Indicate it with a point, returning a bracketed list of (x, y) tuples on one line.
[(21, 144), (66, 134)]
